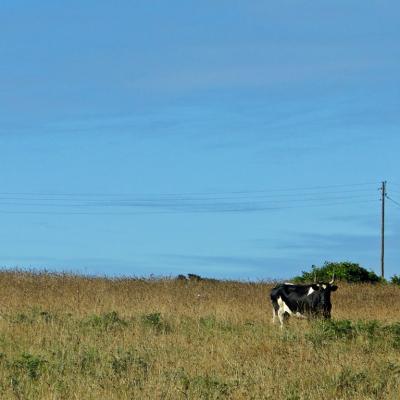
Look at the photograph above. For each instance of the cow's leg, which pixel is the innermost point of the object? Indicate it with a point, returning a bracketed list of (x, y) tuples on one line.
[(281, 316), (283, 311), (275, 309)]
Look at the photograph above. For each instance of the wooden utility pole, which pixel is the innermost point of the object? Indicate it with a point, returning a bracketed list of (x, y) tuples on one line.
[(383, 189)]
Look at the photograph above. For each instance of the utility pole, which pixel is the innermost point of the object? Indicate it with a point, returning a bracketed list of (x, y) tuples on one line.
[(383, 189)]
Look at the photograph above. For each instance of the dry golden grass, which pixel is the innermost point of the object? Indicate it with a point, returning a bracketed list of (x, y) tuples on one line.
[(66, 337)]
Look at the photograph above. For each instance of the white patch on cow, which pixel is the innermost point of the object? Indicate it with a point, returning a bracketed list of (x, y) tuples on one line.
[(311, 290), (324, 286), (283, 308)]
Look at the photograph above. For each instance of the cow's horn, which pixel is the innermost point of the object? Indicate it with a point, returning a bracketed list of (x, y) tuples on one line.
[(333, 279)]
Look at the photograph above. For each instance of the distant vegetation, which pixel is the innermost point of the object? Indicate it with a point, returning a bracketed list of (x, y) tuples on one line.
[(344, 271), (71, 337), (395, 280)]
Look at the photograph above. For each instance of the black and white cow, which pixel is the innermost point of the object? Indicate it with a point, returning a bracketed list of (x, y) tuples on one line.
[(303, 301)]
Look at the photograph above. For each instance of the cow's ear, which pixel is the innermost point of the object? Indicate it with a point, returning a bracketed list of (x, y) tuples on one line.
[(333, 288), (315, 286)]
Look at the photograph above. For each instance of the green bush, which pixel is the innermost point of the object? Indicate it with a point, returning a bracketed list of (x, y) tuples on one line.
[(124, 361), (344, 271), (156, 322), (30, 364), (330, 330), (107, 321), (208, 386), (395, 280)]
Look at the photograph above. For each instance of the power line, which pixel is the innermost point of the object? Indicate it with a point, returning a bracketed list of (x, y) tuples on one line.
[(181, 204), (256, 200), (182, 196), (187, 193), (211, 209), (151, 201), (155, 202), (393, 201)]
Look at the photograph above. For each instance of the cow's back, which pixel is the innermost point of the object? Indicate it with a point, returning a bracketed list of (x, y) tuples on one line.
[(286, 290), (276, 292), (294, 296)]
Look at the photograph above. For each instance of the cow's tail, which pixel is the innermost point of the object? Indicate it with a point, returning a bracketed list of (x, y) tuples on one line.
[(275, 305)]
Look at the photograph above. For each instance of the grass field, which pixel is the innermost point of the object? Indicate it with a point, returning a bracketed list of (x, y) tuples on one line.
[(67, 337)]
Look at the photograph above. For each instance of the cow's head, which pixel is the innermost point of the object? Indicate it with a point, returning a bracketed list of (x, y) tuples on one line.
[(323, 296)]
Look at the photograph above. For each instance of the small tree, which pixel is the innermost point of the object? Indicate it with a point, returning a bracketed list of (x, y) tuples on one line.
[(344, 271), (395, 280)]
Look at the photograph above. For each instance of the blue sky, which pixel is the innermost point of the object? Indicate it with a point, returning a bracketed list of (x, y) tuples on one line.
[(239, 140)]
